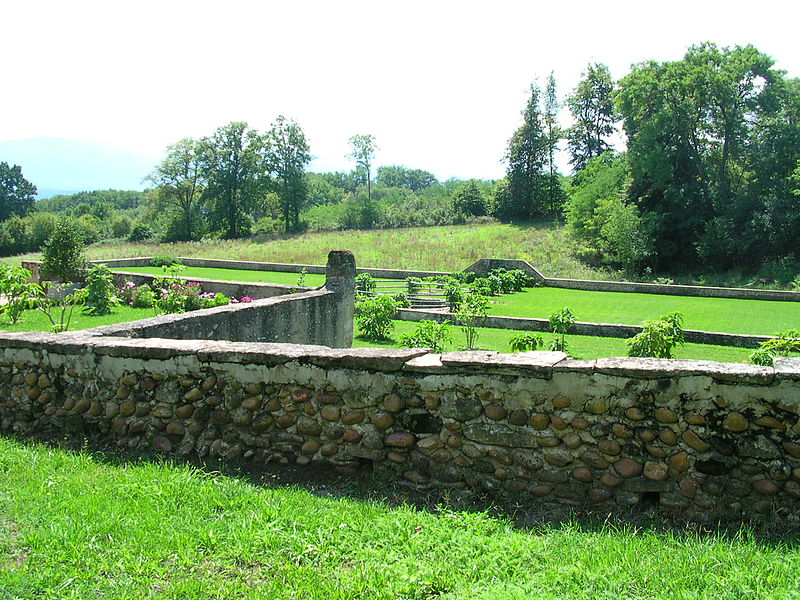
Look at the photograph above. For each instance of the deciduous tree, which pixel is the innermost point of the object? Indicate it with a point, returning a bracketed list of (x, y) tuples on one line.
[(592, 107), (287, 154), (16, 193), (362, 153)]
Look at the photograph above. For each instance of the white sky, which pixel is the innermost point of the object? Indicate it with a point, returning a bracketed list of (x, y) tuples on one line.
[(439, 83)]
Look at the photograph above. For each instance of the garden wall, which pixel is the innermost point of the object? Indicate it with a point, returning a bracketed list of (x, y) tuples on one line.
[(693, 437)]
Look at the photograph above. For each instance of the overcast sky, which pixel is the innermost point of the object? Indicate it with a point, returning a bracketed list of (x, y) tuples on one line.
[(440, 84)]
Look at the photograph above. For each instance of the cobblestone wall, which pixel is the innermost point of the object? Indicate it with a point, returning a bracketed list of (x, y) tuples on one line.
[(694, 437)]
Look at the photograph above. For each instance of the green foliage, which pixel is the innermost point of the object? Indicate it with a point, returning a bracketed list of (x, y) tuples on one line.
[(17, 290), (784, 344), (401, 177), (100, 294), (233, 166), (137, 296), (658, 337), (428, 334), (470, 315), (62, 257), (374, 317), (526, 342), (413, 286), (164, 260), (470, 201), (17, 194), (592, 108), (362, 152), (454, 294), (301, 279), (58, 304), (287, 153), (141, 232), (365, 283), (561, 322)]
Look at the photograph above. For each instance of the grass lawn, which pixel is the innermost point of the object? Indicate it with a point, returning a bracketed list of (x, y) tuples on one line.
[(34, 320), (758, 317), (234, 275), (579, 346), (74, 526)]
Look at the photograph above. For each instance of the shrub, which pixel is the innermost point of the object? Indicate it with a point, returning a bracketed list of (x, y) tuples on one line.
[(120, 226), (658, 337), (526, 342), (59, 309), (375, 317), (62, 257), (454, 295), (141, 232), (561, 322), (141, 296), (164, 260), (786, 343), (100, 296), (428, 334), (470, 314), (413, 285), (365, 283), (15, 285)]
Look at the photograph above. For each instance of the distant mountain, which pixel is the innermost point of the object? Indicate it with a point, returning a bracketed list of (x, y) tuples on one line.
[(63, 166)]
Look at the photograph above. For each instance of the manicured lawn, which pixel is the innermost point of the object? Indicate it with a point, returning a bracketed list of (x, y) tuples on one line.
[(34, 320), (756, 317), (579, 346), (72, 526), (310, 280)]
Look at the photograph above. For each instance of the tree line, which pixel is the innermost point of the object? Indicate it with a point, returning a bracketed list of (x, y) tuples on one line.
[(710, 177)]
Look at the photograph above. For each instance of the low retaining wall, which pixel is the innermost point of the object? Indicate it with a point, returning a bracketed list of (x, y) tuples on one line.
[(672, 290), (233, 289), (265, 266), (694, 336), (696, 438)]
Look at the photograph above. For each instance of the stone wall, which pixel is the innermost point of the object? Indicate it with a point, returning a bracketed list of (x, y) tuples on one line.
[(693, 437)]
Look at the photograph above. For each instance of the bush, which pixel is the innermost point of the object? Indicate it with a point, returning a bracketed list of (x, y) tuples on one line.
[(375, 317), (62, 257), (561, 322), (365, 283), (164, 260), (428, 334), (100, 296), (786, 343), (658, 337), (121, 227), (526, 342), (141, 296), (470, 315), (140, 233), (15, 285)]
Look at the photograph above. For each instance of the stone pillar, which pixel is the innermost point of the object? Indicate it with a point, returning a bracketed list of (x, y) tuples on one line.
[(33, 267), (341, 279)]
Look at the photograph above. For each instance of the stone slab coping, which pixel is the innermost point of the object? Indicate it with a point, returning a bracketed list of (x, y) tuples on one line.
[(537, 364), (255, 284)]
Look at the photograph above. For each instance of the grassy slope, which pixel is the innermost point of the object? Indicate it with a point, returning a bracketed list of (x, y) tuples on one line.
[(72, 527), (579, 346), (451, 248)]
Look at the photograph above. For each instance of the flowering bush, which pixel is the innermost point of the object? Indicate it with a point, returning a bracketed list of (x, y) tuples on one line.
[(137, 296)]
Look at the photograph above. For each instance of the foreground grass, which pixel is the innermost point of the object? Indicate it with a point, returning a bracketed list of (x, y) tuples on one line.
[(73, 527), (757, 317), (580, 346)]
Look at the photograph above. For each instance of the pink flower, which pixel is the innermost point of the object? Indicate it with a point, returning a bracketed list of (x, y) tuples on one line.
[(246, 299), (234, 301)]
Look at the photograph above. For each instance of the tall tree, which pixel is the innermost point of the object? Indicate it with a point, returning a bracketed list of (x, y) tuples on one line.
[(592, 107), (526, 193), (555, 193), (287, 154), (16, 193), (362, 153), (398, 176), (180, 185), (690, 127), (233, 164)]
